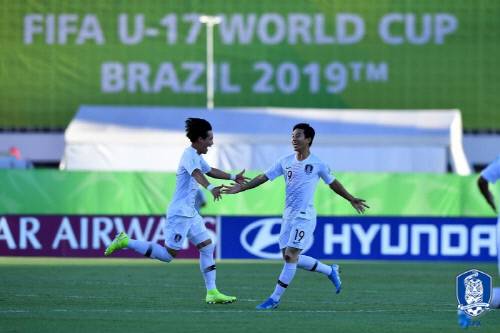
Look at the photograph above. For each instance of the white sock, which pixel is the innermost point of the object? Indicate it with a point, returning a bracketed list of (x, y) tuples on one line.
[(284, 280), (313, 265), (495, 298), (207, 265), (150, 250)]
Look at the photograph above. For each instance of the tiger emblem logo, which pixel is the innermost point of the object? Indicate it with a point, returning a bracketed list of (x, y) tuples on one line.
[(474, 292)]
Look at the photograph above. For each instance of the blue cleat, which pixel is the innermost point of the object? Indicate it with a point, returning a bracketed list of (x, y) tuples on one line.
[(464, 320), (269, 304), (335, 277)]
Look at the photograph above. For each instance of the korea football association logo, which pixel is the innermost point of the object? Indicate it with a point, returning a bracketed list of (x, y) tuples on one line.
[(473, 292), (308, 169)]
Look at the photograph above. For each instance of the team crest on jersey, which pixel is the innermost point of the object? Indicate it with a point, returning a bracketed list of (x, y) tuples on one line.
[(473, 292), (308, 168)]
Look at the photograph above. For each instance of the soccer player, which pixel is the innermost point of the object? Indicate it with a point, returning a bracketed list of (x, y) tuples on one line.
[(183, 220), (490, 175), (301, 172)]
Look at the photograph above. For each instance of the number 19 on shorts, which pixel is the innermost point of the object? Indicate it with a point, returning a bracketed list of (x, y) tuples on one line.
[(299, 234)]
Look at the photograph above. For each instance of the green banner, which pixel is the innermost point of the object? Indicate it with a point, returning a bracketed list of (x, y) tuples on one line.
[(394, 54), (62, 192)]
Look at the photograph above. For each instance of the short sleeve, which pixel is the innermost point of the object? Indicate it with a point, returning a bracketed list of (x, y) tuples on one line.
[(325, 174), (275, 171), (205, 168), (190, 162), (492, 171)]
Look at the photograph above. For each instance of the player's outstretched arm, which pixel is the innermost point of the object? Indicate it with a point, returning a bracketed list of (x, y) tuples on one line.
[(219, 174), (236, 188), (485, 191), (357, 203), (203, 181)]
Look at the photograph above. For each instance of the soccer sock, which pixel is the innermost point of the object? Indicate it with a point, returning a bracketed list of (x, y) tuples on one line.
[(284, 280), (313, 265), (150, 250), (207, 265), (495, 299)]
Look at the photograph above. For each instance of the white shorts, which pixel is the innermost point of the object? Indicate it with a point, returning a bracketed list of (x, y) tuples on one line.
[(177, 228), (297, 232)]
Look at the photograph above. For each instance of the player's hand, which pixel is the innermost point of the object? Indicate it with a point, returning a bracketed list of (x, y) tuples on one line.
[(233, 189), (216, 192), (359, 205), (240, 178)]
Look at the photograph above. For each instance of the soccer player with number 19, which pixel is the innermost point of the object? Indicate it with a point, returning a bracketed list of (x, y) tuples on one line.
[(490, 175), (301, 172)]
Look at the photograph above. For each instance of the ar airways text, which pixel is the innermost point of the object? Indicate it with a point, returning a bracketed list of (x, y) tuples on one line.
[(262, 77), (49, 234), (238, 29)]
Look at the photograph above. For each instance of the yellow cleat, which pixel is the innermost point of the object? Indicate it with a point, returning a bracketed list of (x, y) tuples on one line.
[(120, 242), (216, 297)]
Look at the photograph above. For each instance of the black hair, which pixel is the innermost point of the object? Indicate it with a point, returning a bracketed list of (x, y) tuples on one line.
[(197, 128), (308, 131)]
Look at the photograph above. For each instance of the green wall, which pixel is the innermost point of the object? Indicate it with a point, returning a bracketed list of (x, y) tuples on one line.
[(61, 192), (399, 54)]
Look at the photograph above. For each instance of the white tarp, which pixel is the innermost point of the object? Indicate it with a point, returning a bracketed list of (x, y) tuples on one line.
[(153, 138)]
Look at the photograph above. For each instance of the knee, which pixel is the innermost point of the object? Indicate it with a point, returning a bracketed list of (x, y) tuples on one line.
[(291, 257)]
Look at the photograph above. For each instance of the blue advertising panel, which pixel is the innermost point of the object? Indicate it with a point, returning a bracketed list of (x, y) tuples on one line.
[(383, 238)]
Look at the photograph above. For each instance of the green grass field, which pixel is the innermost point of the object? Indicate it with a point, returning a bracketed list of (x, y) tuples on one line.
[(117, 295)]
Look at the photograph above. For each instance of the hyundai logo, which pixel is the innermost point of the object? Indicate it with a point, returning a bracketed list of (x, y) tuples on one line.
[(263, 239)]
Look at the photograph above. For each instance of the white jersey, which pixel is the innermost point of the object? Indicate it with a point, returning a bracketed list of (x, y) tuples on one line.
[(186, 187), (492, 171), (301, 178), (492, 174)]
